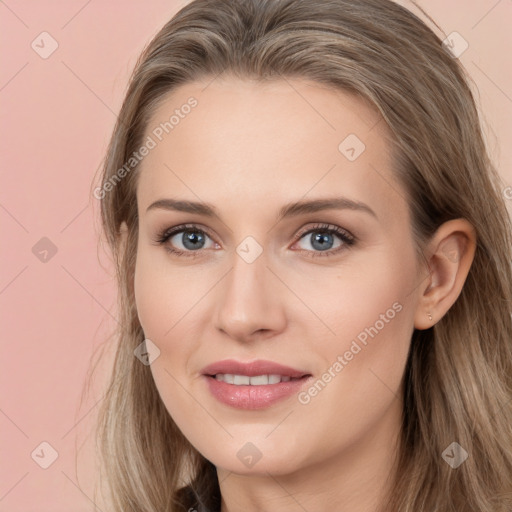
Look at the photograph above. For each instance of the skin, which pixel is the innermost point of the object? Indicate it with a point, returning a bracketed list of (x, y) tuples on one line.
[(248, 149)]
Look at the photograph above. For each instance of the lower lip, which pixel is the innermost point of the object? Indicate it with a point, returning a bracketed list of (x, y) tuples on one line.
[(253, 397)]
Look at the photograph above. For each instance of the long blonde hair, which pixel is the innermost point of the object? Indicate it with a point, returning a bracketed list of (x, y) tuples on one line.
[(458, 378)]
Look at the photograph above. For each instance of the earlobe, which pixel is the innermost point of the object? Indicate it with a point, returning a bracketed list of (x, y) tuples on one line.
[(451, 252)]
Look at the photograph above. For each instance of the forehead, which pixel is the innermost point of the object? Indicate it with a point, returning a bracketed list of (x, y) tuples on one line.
[(230, 140)]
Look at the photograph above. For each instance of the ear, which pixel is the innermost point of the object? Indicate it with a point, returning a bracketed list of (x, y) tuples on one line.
[(449, 255)]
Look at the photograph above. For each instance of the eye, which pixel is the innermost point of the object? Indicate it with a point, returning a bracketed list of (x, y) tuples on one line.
[(188, 240), (321, 240), (184, 240)]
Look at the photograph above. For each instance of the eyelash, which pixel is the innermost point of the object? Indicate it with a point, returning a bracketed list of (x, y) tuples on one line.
[(347, 239)]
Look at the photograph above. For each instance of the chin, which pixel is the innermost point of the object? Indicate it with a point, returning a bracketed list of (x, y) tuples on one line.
[(248, 460)]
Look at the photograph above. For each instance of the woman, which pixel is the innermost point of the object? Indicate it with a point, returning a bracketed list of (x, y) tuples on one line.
[(314, 270)]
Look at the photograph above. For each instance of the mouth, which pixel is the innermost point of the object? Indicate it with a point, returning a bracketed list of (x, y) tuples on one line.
[(237, 371), (255, 385), (255, 380)]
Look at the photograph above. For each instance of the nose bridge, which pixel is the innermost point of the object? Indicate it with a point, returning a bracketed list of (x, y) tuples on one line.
[(248, 301)]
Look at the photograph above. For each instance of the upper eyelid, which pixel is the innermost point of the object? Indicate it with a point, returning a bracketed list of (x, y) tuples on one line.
[(187, 227), (319, 226)]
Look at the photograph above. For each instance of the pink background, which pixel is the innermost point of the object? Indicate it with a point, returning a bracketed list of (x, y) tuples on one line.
[(57, 116)]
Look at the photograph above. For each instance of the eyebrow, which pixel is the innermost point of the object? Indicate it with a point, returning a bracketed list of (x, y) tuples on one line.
[(289, 210)]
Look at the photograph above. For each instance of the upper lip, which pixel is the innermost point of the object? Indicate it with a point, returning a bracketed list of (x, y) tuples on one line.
[(251, 369)]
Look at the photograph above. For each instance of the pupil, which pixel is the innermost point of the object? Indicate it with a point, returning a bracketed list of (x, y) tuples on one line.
[(322, 240), (192, 237)]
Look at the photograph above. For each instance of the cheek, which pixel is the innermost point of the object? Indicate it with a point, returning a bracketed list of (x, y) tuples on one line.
[(363, 362), (150, 296), (163, 299), (170, 305), (369, 311), (164, 294), (365, 298)]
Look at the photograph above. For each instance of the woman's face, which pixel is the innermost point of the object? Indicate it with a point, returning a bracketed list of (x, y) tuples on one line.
[(252, 284)]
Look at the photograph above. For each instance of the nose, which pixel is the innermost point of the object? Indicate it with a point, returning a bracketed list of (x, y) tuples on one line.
[(249, 304)]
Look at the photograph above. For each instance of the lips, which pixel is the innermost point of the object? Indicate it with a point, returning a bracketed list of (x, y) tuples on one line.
[(252, 369), (254, 385)]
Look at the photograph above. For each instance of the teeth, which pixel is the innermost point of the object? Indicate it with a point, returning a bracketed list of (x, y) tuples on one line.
[(259, 380), (245, 380), (238, 380)]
